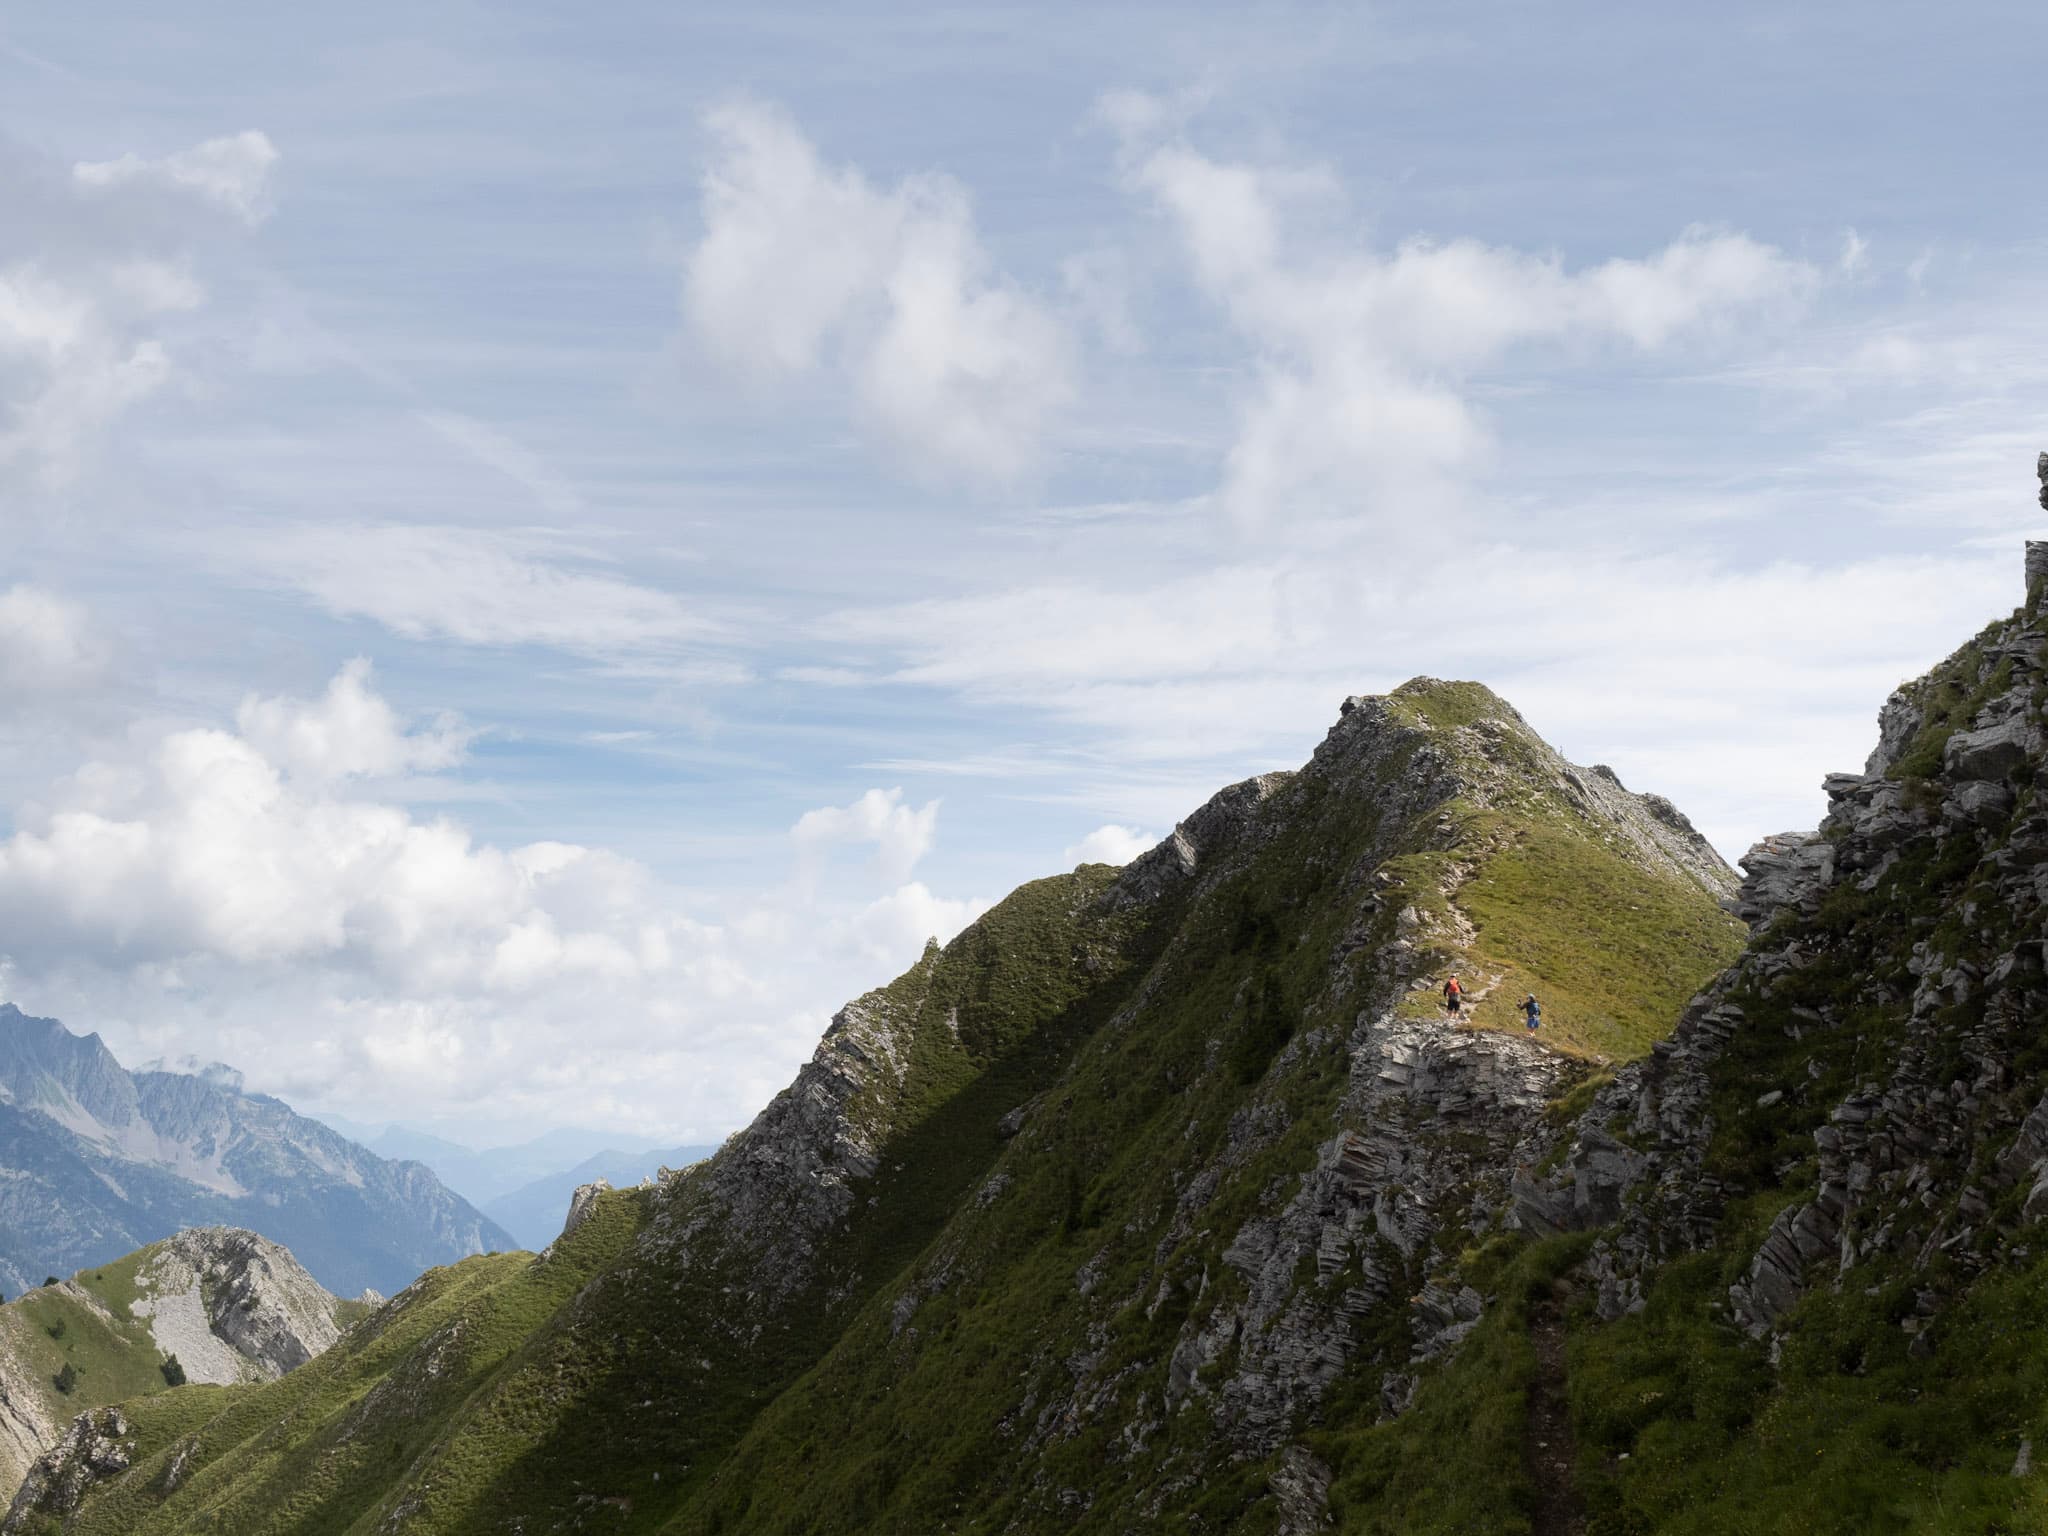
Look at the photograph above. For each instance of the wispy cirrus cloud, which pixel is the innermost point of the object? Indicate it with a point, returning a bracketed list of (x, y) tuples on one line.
[(480, 587), (232, 173), (96, 264)]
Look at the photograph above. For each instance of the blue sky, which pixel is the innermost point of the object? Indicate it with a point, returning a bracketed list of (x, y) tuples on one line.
[(544, 550)]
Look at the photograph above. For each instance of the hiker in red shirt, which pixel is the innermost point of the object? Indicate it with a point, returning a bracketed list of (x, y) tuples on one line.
[(1454, 995)]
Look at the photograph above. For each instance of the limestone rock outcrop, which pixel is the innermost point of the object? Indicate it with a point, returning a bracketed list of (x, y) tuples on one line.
[(230, 1306), (233, 1306), (1860, 937), (97, 1445)]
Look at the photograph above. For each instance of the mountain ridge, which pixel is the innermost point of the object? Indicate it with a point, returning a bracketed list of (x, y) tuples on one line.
[(1164, 1071), (533, 1212)]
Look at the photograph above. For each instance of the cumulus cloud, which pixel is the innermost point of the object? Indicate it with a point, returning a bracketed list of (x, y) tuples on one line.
[(257, 895), (74, 354), (807, 268), (902, 921), (901, 836), (212, 844), (349, 731), (1364, 359), (93, 267), (1110, 844)]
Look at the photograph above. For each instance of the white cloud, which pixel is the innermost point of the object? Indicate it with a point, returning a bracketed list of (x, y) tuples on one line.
[(900, 922), (349, 731), (805, 267), (73, 356), (1363, 360), (92, 271), (901, 836), (247, 894), (48, 646), (1210, 621), (479, 586), (215, 845), (1855, 257), (232, 172), (1110, 844), (1672, 664)]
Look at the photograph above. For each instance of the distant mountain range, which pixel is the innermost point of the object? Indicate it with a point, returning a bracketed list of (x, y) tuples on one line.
[(96, 1161), (525, 1187), (533, 1213)]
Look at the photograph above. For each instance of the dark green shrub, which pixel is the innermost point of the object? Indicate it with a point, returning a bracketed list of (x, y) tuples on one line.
[(1269, 1025)]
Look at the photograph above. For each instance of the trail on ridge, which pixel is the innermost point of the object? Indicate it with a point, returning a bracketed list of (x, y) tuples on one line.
[(1547, 1449)]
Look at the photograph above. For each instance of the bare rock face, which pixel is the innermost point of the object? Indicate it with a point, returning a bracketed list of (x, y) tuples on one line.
[(29, 1425), (1216, 826), (98, 1445), (581, 1204), (1958, 982), (230, 1305), (1436, 1120), (1790, 869), (234, 1306)]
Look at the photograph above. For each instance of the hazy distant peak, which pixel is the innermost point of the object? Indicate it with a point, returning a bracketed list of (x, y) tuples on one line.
[(219, 1073)]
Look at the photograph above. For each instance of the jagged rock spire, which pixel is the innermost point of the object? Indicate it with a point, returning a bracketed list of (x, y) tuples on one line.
[(2037, 549)]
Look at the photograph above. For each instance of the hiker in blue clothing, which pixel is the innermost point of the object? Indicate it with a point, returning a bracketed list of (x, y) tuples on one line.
[(1534, 1010)]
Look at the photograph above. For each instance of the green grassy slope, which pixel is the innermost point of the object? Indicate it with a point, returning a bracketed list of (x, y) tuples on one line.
[(702, 1344), (84, 1324), (924, 1373), (1556, 908), (87, 1323), (1906, 1383), (321, 1448), (925, 1424)]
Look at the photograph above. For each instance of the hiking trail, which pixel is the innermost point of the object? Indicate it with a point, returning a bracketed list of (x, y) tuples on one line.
[(1547, 1449)]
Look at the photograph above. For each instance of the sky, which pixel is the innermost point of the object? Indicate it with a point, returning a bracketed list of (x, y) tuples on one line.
[(544, 548)]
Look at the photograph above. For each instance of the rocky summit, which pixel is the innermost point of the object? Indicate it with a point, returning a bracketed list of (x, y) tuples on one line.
[(211, 1305), (96, 1161), (1171, 1198)]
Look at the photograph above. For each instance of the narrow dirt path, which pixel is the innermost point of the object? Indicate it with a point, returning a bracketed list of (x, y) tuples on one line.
[(1547, 1450)]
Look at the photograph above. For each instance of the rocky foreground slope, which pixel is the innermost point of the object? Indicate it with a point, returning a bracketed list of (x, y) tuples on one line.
[(1095, 1219), (212, 1305), (96, 1161)]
